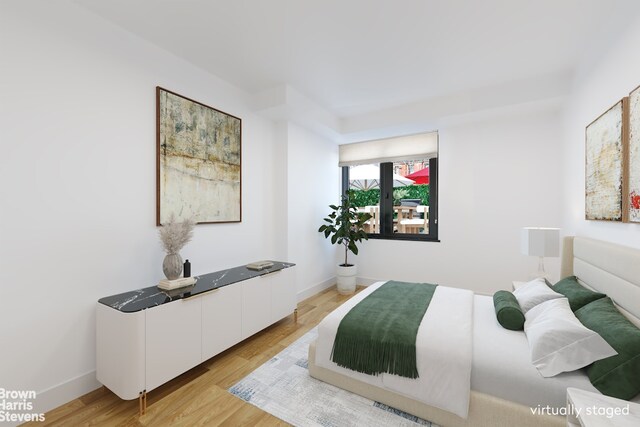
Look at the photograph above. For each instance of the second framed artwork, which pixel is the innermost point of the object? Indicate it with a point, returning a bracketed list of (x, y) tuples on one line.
[(605, 153), (198, 162)]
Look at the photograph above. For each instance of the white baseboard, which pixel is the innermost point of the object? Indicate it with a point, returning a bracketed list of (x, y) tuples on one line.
[(368, 281), (60, 394), (309, 292)]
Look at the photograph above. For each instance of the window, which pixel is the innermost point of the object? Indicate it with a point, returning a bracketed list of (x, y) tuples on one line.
[(399, 188)]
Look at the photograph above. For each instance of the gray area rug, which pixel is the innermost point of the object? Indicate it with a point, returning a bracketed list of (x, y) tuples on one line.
[(282, 387)]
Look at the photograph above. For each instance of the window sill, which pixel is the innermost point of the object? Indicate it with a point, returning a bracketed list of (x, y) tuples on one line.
[(409, 237)]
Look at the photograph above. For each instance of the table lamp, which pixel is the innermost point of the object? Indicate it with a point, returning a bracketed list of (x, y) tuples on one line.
[(541, 242)]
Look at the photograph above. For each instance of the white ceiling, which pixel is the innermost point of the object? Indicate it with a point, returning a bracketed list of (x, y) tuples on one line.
[(359, 57)]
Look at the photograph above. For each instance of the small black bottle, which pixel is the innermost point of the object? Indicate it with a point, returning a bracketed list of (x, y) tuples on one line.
[(187, 269)]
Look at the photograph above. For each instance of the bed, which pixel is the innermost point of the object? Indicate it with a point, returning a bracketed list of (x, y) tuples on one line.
[(504, 383)]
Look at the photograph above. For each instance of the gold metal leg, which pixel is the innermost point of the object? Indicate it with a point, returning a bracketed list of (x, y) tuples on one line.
[(142, 402), (295, 315)]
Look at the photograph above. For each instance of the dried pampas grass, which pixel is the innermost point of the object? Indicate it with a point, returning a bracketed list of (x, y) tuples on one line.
[(174, 235)]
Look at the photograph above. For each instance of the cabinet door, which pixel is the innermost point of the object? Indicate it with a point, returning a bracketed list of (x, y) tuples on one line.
[(221, 320), (256, 305), (174, 340), (283, 293)]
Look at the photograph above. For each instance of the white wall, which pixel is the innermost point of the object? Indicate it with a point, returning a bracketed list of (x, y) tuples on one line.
[(498, 173), (601, 84), (77, 180), (313, 182)]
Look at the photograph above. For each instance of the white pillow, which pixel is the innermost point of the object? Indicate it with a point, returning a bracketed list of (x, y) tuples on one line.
[(559, 342), (533, 293)]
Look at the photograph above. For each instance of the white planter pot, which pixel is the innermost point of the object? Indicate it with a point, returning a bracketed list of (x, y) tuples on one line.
[(347, 279)]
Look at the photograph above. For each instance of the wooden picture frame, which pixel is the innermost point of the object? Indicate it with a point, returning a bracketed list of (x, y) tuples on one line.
[(606, 154), (198, 161), (633, 189)]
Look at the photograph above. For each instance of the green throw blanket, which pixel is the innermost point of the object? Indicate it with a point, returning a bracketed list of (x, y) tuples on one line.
[(379, 334)]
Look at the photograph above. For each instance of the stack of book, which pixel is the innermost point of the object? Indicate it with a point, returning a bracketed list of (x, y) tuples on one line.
[(168, 285), (259, 265)]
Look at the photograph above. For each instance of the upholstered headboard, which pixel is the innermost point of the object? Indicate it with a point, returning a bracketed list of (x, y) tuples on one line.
[(605, 267)]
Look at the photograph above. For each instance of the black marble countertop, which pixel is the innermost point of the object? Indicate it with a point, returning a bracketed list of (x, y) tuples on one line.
[(140, 299)]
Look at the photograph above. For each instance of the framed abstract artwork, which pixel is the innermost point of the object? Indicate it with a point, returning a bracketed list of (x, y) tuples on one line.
[(198, 161), (634, 156), (605, 165)]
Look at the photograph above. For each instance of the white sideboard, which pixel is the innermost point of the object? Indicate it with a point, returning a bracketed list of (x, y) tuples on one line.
[(141, 350)]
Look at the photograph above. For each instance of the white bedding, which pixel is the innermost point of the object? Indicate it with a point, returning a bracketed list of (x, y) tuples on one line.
[(502, 364), (444, 381)]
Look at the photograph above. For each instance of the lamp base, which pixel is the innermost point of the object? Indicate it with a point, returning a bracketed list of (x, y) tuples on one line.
[(541, 272)]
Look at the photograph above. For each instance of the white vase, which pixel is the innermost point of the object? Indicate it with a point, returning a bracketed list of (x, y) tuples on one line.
[(172, 266), (346, 279)]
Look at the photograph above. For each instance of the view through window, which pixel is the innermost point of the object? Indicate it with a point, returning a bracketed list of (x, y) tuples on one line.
[(408, 184), (364, 191)]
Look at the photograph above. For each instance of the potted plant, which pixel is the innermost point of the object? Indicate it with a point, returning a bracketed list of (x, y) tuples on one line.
[(345, 225)]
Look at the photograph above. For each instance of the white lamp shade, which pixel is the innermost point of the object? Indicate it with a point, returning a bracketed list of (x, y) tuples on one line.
[(538, 241)]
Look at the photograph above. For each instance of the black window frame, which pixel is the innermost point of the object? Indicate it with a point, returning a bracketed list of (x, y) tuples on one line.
[(386, 204)]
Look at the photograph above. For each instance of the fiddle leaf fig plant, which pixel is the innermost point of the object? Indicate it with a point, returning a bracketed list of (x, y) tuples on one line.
[(345, 225)]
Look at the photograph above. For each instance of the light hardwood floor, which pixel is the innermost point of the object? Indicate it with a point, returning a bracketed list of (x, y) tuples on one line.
[(199, 397)]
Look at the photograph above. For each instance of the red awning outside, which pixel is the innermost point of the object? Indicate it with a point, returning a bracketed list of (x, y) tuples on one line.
[(420, 177)]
